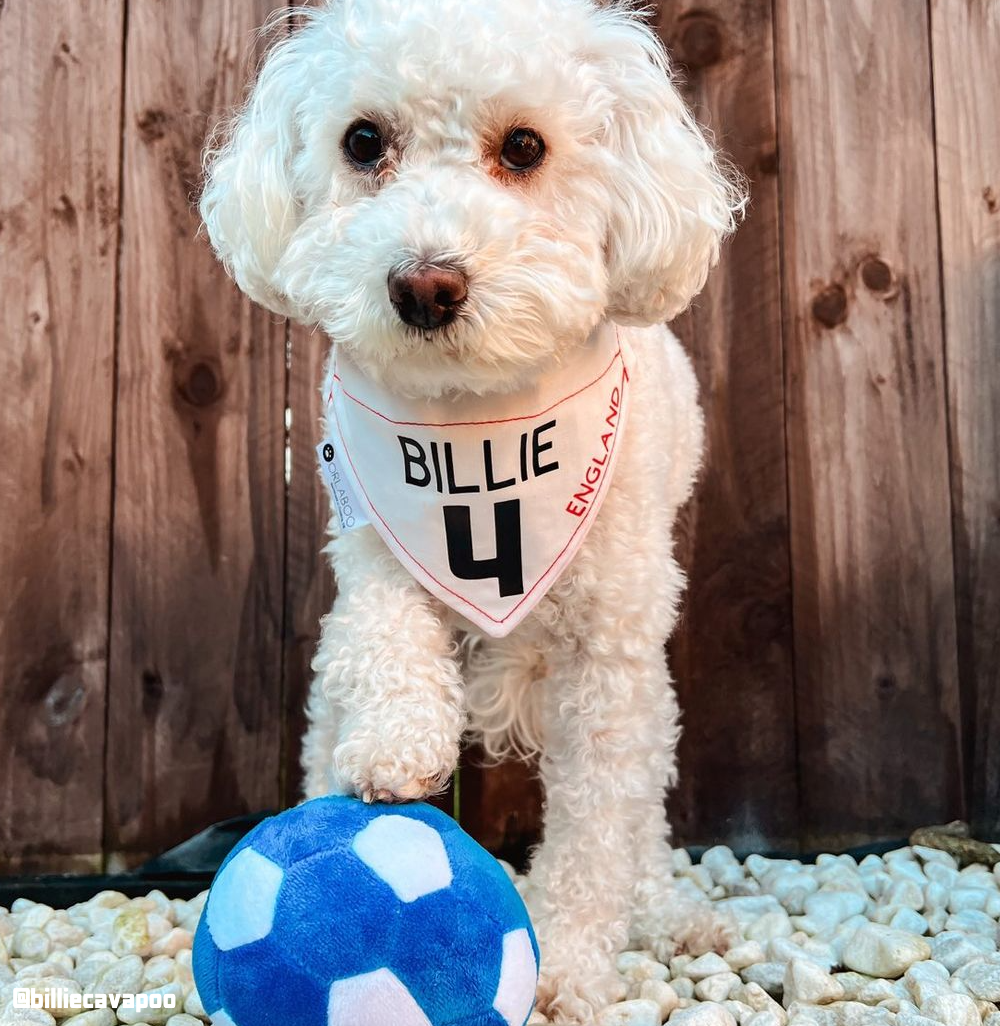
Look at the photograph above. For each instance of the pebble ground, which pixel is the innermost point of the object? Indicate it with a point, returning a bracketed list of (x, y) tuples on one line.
[(905, 939)]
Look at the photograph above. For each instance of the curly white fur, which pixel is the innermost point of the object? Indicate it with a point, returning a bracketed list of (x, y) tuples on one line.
[(622, 220)]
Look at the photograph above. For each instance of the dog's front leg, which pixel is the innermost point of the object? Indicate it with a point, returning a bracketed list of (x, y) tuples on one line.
[(385, 710), (583, 876)]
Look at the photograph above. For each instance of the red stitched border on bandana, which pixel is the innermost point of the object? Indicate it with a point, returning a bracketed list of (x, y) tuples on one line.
[(545, 573)]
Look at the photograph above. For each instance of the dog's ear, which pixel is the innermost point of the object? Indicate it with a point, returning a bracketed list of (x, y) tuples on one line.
[(672, 202), (248, 202)]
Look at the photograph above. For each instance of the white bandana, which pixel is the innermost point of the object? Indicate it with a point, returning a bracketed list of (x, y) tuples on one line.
[(483, 499)]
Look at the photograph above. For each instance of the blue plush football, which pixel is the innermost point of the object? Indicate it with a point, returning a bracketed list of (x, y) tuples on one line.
[(337, 913)]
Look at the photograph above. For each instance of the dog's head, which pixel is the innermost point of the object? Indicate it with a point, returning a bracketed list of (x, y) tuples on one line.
[(459, 190)]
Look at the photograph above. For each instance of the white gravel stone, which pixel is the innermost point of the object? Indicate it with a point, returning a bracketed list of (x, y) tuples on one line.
[(736, 1009), (906, 893), (639, 1012), (763, 1019), (770, 925), (784, 949), (935, 896), (953, 949), (26, 1017), (807, 983), (741, 955), (951, 1009), (678, 963), (701, 877), (889, 993), (829, 908), (909, 921), (87, 970), (193, 1005), (946, 875), (662, 993), (853, 983), (935, 920), (768, 975), (683, 988), (968, 897), (175, 940), (124, 976), (96, 1017), (31, 943), (718, 987), (982, 979), (637, 966), (748, 909), (706, 965), (924, 979), (702, 1015), (130, 932), (758, 1000), (845, 1013), (926, 855), (971, 920), (882, 951)]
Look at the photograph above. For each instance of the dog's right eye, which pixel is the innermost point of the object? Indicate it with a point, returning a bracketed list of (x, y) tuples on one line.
[(363, 143)]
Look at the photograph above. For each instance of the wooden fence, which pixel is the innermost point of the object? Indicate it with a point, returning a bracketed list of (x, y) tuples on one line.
[(160, 582)]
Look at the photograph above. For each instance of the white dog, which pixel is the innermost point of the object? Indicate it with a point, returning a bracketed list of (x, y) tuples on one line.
[(461, 192)]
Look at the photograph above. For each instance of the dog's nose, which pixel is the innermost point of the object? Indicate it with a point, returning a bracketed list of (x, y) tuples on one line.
[(428, 296)]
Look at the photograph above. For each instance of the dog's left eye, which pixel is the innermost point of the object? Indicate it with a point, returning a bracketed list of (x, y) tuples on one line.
[(364, 144), (523, 148)]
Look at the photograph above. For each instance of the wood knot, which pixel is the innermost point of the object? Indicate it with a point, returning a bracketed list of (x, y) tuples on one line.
[(767, 161), (829, 307), (152, 685), (700, 41), (64, 701), (199, 384), (152, 124), (877, 275)]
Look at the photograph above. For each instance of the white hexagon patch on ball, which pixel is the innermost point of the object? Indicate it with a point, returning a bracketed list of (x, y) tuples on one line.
[(518, 971), (407, 854), (241, 908), (374, 999)]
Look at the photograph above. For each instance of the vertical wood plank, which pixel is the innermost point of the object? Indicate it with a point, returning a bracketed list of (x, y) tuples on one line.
[(60, 98), (732, 654), (876, 676), (966, 50), (309, 581), (195, 683)]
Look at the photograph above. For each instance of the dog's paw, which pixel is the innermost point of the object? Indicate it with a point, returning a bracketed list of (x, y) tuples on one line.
[(578, 976), (380, 766), (684, 926), (566, 995)]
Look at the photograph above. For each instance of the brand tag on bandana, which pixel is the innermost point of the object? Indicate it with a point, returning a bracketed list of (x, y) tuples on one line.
[(350, 510), (483, 499)]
